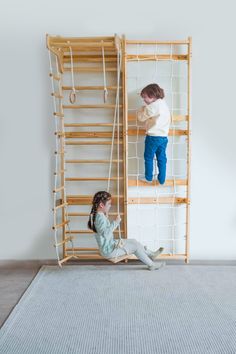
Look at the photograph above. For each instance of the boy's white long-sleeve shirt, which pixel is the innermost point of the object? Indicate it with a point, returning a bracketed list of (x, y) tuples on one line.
[(156, 116)]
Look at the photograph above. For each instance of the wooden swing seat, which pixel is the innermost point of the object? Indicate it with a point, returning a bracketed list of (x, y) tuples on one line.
[(121, 258)]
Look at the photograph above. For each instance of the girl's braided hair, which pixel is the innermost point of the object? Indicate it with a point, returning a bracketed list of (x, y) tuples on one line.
[(99, 197)]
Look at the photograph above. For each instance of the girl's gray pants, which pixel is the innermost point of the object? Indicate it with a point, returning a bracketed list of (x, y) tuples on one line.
[(132, 246)]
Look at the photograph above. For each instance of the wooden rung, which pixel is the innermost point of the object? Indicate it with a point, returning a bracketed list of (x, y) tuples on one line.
[(88, 231), (87, 214), (92, 142), (60, 206), (67, 239), (86, 199), (97, 256), (89, 69), (67, 259), (89, 58), (88, 256), (83, 106), (89, 125), (141, 132), (55, 227), (94, 88), (58, 114), (168, 183), (59, 152), (59, 39), (58, 189), (85, 45), (155, 57), (160, 200), (93, 134), (74, 179), (83, 249), (92, 161), (60, 172), (55, 77), (57, 95), (174, 118)]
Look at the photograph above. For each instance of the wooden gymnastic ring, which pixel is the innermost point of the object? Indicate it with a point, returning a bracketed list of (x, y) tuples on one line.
[(72, 97)]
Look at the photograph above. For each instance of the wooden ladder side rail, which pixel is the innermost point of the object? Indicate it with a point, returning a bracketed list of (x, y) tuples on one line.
[(188, 148), (125, 137)]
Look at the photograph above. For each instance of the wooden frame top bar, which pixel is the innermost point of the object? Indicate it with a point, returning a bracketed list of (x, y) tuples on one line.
[(150, 42)]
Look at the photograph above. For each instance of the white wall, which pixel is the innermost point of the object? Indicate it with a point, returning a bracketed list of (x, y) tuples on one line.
[(27, 124)]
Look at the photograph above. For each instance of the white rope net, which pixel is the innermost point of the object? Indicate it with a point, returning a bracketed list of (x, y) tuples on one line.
[(158, 225)]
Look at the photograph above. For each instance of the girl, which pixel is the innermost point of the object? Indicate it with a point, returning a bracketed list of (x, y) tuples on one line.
[(108, 246), (156, 116)]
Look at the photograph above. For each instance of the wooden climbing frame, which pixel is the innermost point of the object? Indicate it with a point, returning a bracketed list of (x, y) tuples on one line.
[(85, 58)]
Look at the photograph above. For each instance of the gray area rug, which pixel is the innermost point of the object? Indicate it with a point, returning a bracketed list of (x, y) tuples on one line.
[(125, 309)]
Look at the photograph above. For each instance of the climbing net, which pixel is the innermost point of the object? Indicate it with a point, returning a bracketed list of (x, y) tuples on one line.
[(163, 222)]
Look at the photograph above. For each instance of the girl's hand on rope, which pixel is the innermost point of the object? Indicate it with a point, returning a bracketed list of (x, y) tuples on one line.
[(118, 219)]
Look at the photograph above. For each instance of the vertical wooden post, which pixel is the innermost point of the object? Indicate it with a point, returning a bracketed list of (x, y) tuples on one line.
[(188, 150), (125, 134)]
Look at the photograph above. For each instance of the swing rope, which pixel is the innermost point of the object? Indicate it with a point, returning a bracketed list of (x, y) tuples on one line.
[(105, 92)]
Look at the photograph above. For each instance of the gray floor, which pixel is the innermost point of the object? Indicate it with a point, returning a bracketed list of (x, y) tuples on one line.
[(16, 276)]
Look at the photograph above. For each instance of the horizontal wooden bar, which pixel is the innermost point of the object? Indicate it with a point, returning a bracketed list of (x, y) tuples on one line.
[(89, 58), (58, 189), (168, 183), (67, 258), (75, 125), (92, 106), (96, 255), (89, 69), (147, 42), (87, 214), (160, 200), (58, 114), (55, 77), (85, 199), (92, 142), (174, 118), (55, 227), (67, 239), (90, 88), (62, 39), (84, 45), (92, 161), (60, 172), (56, 95), (141, 131), (88, 231), (73, 135), (60, 206), (156, 57), (59, 152), (89, 179)]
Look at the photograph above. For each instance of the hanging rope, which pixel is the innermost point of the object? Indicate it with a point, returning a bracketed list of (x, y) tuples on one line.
[(105, 92), (72, 96), (56, 161), (116, 124)]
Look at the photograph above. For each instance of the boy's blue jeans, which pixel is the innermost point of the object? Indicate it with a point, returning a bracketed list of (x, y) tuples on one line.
[(155, 145)]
